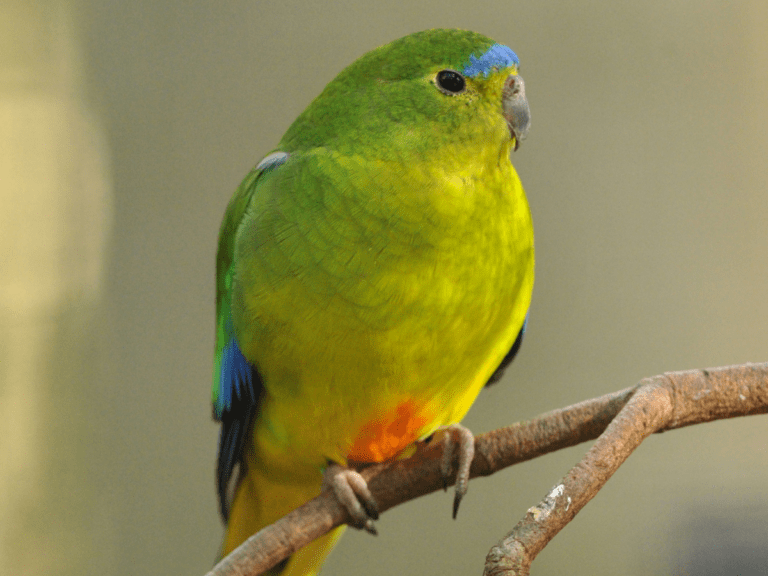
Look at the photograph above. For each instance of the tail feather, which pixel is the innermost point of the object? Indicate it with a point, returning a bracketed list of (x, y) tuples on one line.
[(261, 500)]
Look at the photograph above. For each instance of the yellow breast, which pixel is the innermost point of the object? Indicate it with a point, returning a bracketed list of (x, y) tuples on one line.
[(379, 318)]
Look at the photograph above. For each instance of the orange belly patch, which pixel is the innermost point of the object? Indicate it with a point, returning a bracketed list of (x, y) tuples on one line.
[(388, 434)]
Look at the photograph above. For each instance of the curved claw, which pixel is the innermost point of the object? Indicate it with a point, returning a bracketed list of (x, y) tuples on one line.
[(457, 438), (352, 491)]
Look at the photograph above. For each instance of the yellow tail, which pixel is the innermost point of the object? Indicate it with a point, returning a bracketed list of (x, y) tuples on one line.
[(261, 500)]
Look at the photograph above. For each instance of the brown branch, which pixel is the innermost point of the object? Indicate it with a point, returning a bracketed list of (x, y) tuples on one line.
[(665, 402), (672, 400)]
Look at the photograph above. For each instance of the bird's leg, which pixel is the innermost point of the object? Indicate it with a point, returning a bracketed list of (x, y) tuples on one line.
[(457, 438), (352, 491)]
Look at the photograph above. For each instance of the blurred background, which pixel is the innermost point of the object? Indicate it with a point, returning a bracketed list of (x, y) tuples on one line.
[(126, 126)]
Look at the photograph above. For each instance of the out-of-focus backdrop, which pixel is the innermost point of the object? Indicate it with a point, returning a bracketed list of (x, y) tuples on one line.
[(125, 127)]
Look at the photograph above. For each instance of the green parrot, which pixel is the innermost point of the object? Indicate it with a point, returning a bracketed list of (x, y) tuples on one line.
[(374, 272)]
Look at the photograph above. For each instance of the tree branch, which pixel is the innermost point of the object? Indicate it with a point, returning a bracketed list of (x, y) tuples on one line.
[(672, 400), (621, 420)]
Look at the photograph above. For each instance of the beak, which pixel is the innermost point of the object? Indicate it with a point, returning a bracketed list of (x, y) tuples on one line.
[(515, 106)]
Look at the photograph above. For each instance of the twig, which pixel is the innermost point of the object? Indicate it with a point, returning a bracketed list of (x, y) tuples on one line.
[(672, 400)]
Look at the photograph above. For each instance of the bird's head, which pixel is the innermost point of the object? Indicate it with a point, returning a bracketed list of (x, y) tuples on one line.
[(427, 91)]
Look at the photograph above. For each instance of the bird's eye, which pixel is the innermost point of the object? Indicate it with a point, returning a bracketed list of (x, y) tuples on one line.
[(451, 82)]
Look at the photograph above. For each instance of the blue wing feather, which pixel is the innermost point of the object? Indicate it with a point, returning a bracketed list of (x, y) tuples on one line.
[(239, 400), (238, 379)]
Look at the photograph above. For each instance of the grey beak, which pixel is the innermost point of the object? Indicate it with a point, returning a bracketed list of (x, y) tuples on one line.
[(516, 109)]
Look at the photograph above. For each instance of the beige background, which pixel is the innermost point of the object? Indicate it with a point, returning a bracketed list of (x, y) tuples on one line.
[(124, 128)]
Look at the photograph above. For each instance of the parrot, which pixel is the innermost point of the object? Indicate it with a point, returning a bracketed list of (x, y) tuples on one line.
[(374, 272)]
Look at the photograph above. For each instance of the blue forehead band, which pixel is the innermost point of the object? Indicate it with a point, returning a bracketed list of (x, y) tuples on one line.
[(497, 56)]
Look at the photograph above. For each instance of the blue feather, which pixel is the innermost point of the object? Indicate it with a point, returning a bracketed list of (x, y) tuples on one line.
[(272, 161), (239, 393), (236, 378), (497, 56)]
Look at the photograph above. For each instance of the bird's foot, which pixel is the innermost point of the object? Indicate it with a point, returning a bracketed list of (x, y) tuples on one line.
[(352, 491), (457, 438)]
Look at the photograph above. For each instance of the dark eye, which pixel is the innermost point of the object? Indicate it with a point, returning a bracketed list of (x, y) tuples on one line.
[(451, 82)]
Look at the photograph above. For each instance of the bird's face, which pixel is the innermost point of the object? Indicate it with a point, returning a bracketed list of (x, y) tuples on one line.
[(499, 93)]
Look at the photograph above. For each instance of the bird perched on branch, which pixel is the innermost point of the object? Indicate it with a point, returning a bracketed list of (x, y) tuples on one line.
[(374, 272)]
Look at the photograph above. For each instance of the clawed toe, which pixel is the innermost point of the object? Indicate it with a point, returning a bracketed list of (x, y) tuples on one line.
[(352, 491), (457, 438)]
